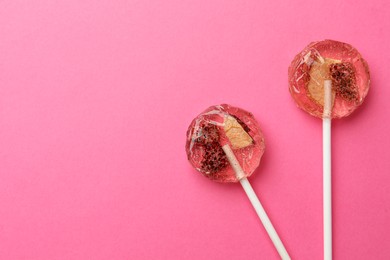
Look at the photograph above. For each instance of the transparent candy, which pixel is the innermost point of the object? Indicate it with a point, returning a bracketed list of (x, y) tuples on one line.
[(329, 60), (216, 127)]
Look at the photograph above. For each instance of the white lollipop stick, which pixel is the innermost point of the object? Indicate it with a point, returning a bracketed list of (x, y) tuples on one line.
[(327, 162), (256, 203)]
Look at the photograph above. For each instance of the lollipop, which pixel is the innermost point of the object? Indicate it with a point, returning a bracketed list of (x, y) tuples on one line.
[(226, 144), (328, 79)]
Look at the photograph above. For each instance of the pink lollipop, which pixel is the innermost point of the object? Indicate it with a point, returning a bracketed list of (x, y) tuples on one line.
[(328, 79), (335, 63), (226, 144)]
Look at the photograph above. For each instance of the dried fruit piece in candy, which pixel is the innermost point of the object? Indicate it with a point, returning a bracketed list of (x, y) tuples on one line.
[(207, 133), (236, 134), (344, 81), (214, 159), (319, 72)]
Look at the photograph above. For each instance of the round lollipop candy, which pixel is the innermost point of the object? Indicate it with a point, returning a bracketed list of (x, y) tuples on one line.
[(226, 144), (329, 62), (328, 79)]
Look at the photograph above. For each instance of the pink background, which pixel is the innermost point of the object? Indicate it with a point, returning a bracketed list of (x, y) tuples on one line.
[(95, 100)]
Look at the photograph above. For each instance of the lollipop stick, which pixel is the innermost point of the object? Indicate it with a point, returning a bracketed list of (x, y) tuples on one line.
[(256, 203), (327, 178)]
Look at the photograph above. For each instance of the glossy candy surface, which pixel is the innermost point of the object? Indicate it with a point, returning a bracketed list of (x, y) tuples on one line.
[(216, 127), (329, 60)]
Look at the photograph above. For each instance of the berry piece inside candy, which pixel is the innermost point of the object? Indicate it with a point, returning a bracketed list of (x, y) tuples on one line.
[(344, 81)]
